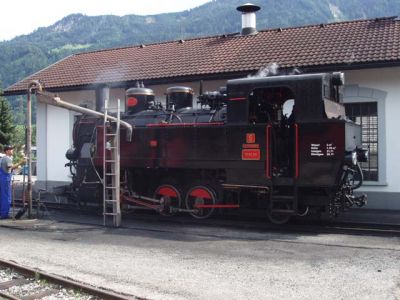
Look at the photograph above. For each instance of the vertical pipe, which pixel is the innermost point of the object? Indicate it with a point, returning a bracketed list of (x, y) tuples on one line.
[(117, 167), (28, 150), (102, 93)]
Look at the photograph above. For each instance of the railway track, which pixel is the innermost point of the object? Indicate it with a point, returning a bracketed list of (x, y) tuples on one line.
[(295, 226), (251, 221), (20, 282)]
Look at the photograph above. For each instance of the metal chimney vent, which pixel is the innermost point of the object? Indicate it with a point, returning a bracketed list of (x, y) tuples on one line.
[(248, 11)]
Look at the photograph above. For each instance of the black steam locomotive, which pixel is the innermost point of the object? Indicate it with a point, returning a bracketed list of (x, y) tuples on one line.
[(281, 144)]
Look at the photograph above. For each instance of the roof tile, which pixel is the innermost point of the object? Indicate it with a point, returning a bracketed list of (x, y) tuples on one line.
[(342, 43)]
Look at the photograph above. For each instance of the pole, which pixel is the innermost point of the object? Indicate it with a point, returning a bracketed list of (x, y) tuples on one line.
[(31, 86), (13, 198)]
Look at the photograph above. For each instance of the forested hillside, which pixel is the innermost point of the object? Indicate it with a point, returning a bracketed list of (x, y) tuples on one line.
[(27, 54)]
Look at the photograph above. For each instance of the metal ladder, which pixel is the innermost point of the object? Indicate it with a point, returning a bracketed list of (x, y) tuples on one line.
[(111, 168)]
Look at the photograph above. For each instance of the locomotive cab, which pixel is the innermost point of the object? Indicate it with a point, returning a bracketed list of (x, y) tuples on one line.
[(308, 138), (281, 104), (260, 100)]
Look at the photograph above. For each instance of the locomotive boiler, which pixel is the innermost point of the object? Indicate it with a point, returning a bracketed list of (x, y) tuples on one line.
[(279, 144)]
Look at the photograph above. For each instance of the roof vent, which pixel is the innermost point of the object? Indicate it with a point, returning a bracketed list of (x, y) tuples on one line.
[(248, 11)]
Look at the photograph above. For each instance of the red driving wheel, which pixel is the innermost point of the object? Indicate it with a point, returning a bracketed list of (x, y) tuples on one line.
[(171, 198), (201, 200)]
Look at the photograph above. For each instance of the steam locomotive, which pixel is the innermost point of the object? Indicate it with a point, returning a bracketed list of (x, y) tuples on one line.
[(280, 144)]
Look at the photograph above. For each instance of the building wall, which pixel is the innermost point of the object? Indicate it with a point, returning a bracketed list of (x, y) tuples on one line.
[(54, 127), (382, 86)]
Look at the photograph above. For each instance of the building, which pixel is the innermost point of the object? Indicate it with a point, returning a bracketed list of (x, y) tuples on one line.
[(367, 51)]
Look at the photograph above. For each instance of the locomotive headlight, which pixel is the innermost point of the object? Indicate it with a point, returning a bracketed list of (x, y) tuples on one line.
[(351, 158), (354, 158), (72, 154)]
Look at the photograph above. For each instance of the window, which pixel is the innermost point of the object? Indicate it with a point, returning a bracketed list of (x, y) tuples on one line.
[(266, 104), (366, 115)]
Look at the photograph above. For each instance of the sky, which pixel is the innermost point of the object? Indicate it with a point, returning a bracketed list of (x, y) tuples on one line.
[(22, 17)]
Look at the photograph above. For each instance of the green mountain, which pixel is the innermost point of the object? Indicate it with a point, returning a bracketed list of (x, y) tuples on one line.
[(27, 54)]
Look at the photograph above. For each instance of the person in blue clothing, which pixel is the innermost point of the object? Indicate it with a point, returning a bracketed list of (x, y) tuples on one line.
[(6, 168)]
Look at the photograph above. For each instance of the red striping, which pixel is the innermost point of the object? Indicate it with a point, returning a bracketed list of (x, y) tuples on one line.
[(184, 124), (217, 206), (201, 193), (250, 146), (237, 99), (167, 191)]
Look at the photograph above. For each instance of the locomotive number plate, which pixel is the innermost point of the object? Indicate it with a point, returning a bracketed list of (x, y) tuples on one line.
[(251, 154), (250, 138)]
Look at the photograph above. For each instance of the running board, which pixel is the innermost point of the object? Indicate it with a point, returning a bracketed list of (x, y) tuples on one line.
[(217, 205), (283, 211), (238, 186)]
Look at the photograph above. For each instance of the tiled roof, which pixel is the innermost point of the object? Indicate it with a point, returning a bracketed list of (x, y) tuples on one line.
[(345, 43)]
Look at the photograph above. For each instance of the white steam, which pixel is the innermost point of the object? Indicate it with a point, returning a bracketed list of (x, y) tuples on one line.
[(270, 70)]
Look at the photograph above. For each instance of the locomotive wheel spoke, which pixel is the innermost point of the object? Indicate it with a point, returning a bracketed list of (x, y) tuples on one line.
[(171, 196), (201, 199)]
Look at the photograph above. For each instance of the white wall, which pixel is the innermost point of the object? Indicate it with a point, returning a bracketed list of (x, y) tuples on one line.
[(41, 141), (54, 128), (57, 129), (387, 80)]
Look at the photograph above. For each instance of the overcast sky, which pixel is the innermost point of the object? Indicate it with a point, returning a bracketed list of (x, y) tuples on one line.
[(22, 17)]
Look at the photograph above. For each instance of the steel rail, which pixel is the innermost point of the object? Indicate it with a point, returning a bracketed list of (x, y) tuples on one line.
[(253, 220), (8, 296), (64, 282)]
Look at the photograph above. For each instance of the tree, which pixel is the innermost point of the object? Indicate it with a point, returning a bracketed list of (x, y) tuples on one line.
[(6, 122), (20, 135)]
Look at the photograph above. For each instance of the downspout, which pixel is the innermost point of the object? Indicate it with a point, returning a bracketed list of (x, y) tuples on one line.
[(31, 87)]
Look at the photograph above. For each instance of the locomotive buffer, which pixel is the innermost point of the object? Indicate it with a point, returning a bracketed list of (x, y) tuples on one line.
[(111, 167)]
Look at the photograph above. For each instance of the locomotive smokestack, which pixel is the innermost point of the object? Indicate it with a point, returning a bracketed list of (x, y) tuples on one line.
[(248, 11), (102, 93)]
